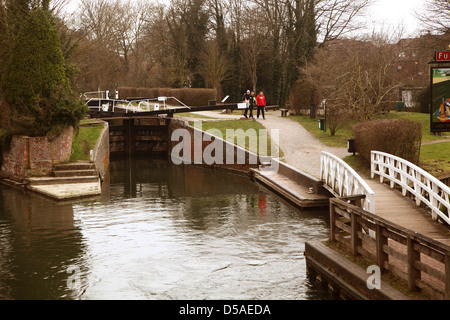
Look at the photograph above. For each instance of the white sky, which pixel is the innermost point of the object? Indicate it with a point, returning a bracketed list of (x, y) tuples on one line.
[(386, 14), (394, 13)]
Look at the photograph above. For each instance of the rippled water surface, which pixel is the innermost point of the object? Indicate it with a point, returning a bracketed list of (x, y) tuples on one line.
[(159, 231)]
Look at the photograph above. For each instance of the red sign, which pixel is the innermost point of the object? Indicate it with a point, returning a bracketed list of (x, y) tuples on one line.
[(442, 56)]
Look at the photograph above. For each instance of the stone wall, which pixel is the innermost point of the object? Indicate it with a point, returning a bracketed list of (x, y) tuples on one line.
[(35, 156)]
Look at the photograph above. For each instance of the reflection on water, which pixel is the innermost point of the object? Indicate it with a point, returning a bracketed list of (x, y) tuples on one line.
[(159, 231)]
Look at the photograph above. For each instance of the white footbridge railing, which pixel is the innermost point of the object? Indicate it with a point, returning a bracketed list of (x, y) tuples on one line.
[(343, 181), (422, 185)]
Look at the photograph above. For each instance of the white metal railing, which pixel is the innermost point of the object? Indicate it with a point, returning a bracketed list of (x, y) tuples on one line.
[(342, 180), (133, 108), (422, 185), (96, 95)]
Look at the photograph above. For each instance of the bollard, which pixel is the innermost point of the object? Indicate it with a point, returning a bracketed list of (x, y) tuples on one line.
[(351, 146)]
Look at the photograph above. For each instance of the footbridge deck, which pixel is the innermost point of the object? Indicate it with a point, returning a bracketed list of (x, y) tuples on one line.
[(391, 205)]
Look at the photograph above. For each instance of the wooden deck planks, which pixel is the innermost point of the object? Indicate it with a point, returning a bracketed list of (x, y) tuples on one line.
[(391, 205)]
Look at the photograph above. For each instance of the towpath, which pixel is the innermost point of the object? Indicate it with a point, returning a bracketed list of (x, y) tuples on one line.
[(300, 148)]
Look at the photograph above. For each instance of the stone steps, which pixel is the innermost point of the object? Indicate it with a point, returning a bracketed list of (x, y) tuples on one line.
[(74, 166), (62, 180), (68, 181), (74, 173), (82, 171)]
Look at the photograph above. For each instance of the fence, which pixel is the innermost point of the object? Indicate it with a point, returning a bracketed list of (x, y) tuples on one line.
[(343, 181), (422, 262), (424, 187)]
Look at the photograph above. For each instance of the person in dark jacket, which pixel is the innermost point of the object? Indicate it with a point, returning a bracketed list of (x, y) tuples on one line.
[(251, 105), (246, 99)]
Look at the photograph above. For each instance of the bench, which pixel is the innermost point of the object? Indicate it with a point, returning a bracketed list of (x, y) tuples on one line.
[(284, 112)]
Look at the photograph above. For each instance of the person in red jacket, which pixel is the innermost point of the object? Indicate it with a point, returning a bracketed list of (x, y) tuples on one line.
[(261, 104)]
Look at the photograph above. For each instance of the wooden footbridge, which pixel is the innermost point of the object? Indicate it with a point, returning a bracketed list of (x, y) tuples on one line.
[(400, 219)]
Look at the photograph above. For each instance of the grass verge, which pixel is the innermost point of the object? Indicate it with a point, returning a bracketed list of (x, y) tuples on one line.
[(84, 141), (241, 131), (312, 125), (435, 158)]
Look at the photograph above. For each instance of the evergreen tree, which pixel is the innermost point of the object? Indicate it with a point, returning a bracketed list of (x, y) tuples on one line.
[(301, 35), (34, 81)]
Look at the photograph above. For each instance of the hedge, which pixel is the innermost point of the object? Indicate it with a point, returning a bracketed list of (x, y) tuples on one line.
[(189, 96), (400, 137)]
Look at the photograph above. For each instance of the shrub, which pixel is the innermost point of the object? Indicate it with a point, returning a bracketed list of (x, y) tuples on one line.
[(301, 96), (400, 137)]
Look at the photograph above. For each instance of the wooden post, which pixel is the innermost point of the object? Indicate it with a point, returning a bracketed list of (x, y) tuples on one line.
[(332, 221), (447, 276), (413, 273), (355, 241), (382, 240)]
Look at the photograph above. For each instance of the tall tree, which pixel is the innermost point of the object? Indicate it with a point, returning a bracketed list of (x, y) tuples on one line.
[(301, 38), (254, 43), (34, 82), (215, 68), (435, 16)]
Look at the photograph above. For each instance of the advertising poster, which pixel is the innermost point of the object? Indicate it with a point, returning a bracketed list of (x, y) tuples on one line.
[(440, 96)]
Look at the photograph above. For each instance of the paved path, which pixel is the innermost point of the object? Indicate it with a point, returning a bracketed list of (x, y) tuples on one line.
[(300, 148)]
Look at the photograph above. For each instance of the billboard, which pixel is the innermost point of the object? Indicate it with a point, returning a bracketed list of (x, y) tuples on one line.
[(440, 99)]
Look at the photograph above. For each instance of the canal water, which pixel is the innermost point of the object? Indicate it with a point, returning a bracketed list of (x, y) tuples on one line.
[(159, 231)]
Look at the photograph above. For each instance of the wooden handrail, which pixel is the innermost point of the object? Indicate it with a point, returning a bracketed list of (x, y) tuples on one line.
[(421, 261)]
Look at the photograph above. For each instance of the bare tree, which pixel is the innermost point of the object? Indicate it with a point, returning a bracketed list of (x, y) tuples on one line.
[(356, 77), (255, 42), (435, 15), (337, 18), (215, 67)]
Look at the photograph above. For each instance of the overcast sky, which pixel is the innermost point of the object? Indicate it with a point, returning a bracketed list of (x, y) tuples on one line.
[(386, 14), (393, 13)]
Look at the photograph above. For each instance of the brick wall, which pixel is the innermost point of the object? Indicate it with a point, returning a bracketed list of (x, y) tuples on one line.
[(61, 146), (35, 156)]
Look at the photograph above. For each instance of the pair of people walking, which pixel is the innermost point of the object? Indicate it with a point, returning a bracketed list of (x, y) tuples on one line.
[(259, 102)]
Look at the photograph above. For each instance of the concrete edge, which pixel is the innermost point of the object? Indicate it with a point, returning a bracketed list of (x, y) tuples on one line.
[(97, 158), (287, 194), (345, 275), (67, 192)]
